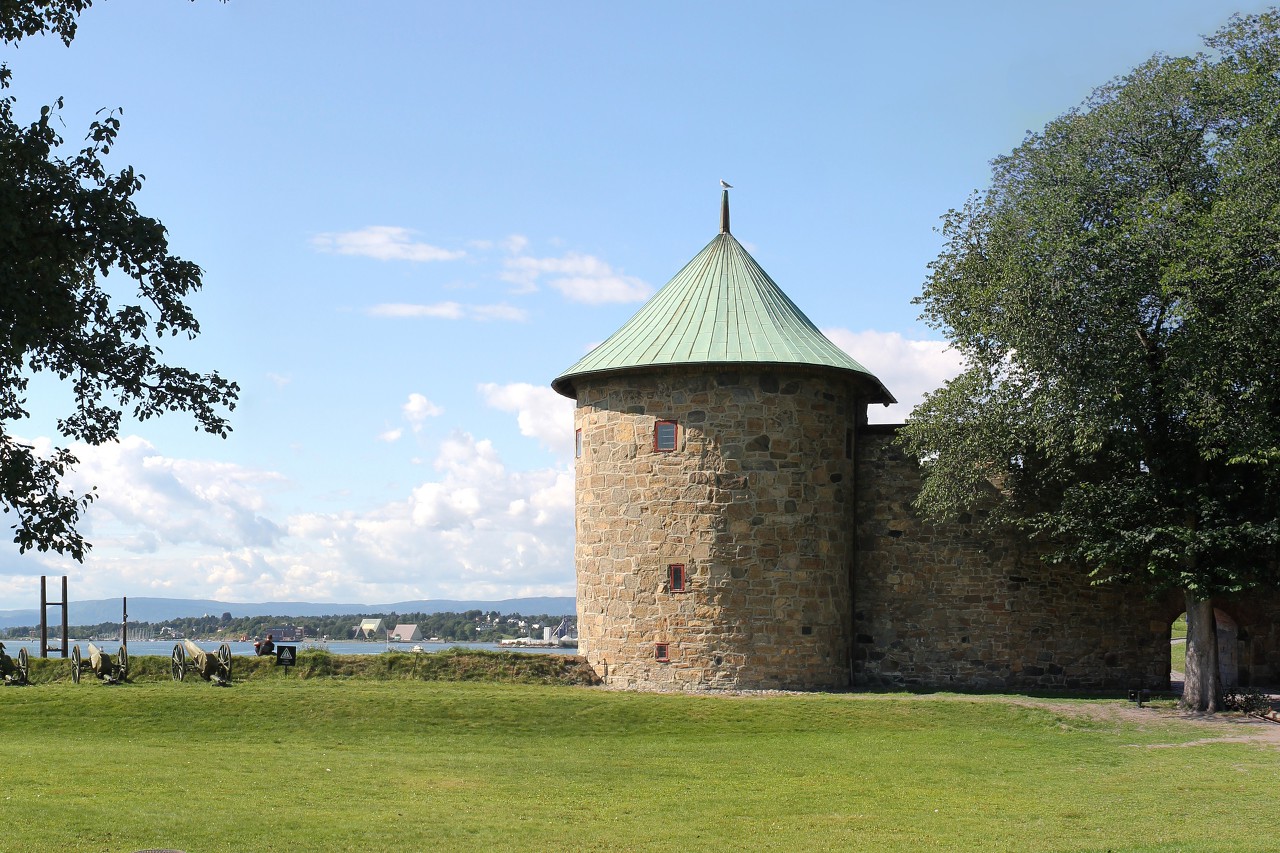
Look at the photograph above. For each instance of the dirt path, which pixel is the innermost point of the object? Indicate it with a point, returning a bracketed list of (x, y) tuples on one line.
[(1218, 728)]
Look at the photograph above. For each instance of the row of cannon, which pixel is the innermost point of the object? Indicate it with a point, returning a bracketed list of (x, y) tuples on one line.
[(214, 667)]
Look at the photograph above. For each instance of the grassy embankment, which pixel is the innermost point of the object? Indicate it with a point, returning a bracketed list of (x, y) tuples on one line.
[(280, 762)]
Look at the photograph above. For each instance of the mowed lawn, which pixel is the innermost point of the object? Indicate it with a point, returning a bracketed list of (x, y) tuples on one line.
[(285, 764)]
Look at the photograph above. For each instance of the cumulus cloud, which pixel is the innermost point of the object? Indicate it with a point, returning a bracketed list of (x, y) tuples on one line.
[(477, 530), (908, 368), (580, 278), (384, 243), (417, 409), (175, 501), (541, 413), (196, 529)]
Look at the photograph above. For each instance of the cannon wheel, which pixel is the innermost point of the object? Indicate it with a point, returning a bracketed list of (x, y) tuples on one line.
[(178, 663), (122, 664), (24, 663), (224, 658), (75, 664)]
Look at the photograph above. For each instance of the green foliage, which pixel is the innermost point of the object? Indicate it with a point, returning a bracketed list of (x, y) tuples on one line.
[(471, 626), (19, 18), (328, 765), (66, 223), (1247, 701), (1115, 294)]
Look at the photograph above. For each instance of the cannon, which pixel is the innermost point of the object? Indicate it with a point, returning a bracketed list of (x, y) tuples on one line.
[(14, 671), (210, 666), (101, 664)]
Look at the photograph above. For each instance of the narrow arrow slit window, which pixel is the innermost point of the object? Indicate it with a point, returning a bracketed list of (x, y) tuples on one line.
[(664, 436), (676, 577)]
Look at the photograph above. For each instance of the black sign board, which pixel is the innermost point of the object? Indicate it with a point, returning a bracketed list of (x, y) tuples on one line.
[(286, 655)]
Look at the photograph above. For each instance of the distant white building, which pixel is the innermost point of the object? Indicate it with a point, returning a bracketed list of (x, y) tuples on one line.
[(405, 634), (368, 629)]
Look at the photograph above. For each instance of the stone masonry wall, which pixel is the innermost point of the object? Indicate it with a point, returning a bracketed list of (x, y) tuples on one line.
[(946, 605), (1254, 624), (756, 501)]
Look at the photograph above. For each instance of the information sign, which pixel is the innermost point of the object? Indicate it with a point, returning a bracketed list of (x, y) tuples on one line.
[(286, 655)]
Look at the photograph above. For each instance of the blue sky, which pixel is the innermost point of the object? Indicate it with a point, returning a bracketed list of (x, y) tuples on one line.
[(413, 215)]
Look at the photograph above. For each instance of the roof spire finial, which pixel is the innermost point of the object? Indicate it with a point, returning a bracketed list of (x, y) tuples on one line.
[(724, 206)]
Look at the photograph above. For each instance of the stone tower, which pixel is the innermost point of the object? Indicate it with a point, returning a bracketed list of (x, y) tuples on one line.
[(715, 443)]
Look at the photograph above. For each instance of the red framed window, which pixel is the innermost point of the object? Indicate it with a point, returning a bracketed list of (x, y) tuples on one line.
[(676, 577), (664, 436), (577, 444), (662, 652)]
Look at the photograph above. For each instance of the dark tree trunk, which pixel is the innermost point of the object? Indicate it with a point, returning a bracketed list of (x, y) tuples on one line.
[(1202, 690)]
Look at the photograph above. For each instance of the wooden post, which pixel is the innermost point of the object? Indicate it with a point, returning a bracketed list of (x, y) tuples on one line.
[(65, 634), (44, 616)]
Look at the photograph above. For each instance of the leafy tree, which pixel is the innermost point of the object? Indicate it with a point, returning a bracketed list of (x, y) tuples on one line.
[(1115, 295), (67, 224), (20, 18)]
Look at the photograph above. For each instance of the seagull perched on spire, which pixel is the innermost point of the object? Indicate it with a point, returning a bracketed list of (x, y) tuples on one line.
[(725, 185)]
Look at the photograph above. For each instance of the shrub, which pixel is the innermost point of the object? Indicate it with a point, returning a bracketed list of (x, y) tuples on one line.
[(1246, 700)]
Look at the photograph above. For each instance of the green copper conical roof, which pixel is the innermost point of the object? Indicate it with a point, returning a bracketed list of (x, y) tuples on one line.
[(721, 309)]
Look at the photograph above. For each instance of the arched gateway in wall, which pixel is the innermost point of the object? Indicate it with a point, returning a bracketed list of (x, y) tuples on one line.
[(715, 439)]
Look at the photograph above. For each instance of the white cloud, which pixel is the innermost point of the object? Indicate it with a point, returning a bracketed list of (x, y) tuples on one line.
[(908, 368), (580, 278), (147, 502), (596, 291), (540, 412), (391, 435), (384, 243), (443, 310), (417, 409), (489, 533), (449, 311), (195, 529), (500, 311)]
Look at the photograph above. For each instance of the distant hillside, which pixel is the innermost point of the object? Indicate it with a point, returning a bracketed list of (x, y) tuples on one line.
[(160, 609)]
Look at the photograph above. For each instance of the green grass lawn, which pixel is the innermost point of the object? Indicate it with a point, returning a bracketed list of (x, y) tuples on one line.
[(1178, 650), (286, 764)]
